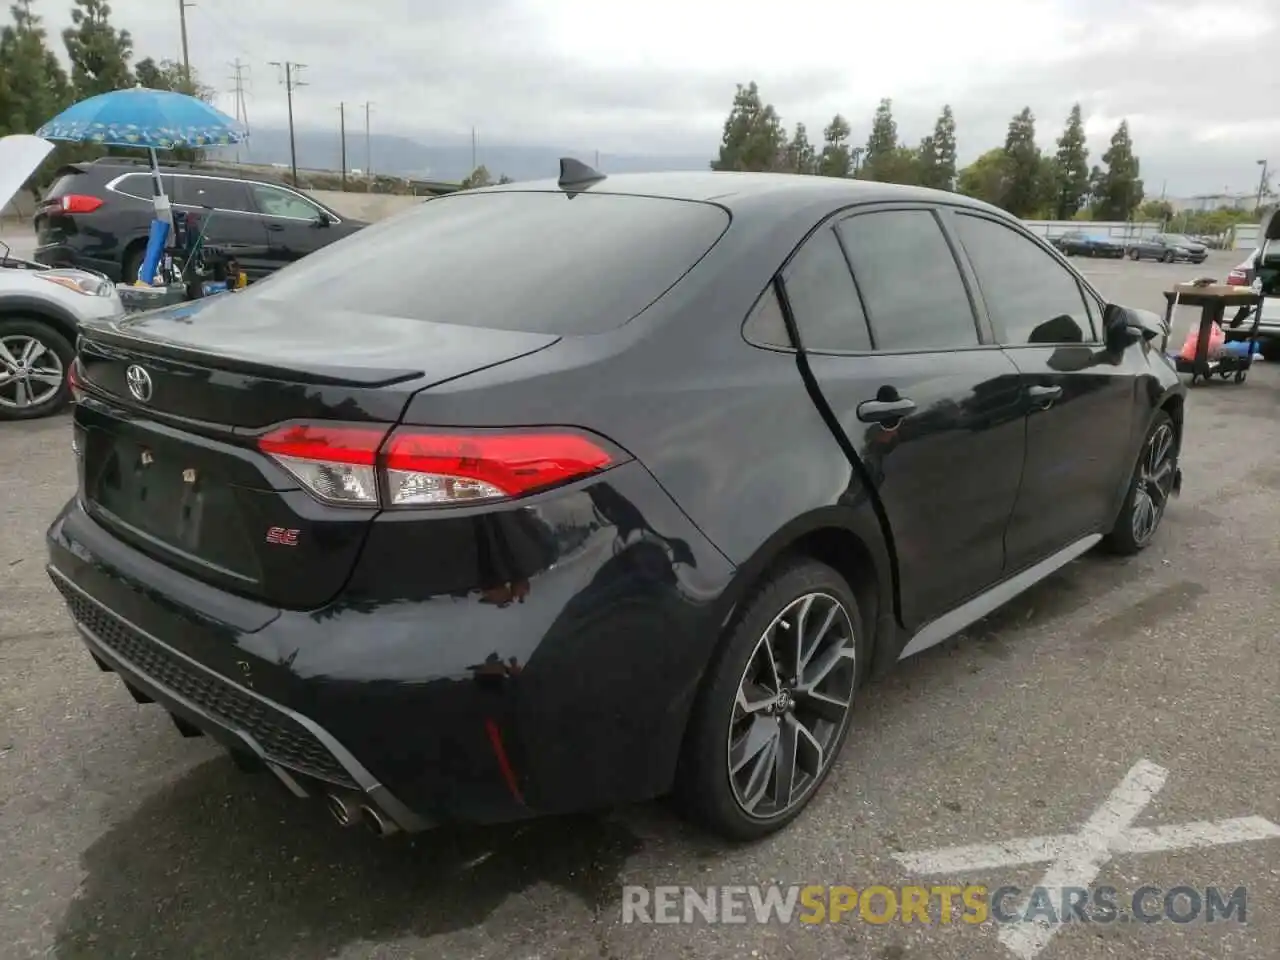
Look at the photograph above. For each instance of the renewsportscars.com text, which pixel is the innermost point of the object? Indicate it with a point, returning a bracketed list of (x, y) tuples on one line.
[(973, 904)]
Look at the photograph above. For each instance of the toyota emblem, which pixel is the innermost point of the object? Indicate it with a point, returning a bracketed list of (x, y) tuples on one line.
[(139, 382)]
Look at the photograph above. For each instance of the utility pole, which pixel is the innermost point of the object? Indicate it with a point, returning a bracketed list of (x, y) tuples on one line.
[(368, 151), (186, 57), (473, 149), (342, 127), (1262, 185), (242, 109), (291, 81)]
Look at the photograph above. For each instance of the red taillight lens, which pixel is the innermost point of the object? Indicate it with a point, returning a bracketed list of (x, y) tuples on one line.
[(78, 203), (335, 462), (342, 463), (1237, 278), (428, 468)]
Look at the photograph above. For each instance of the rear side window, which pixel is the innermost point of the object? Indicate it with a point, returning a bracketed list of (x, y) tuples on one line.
[(1031, 297), (910, 281), (210, 192), (766, 326), (140, 186), (823, 299), (539, 262)]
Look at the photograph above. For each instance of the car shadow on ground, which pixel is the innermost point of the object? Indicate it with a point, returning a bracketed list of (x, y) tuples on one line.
[(226, 865), (222, 864)]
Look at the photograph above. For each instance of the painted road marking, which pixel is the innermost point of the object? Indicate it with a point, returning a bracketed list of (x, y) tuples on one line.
[(1076, 859)]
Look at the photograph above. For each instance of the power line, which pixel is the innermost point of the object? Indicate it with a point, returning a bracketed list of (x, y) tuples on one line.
[(342, 132), (291, 82)]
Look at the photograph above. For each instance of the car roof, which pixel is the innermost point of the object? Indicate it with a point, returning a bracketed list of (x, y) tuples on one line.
[(759, 192)]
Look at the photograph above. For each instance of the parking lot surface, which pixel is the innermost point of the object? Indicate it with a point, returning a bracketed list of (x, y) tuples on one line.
[(1120, 698)]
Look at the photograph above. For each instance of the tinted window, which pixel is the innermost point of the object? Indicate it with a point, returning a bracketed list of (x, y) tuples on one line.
[(909, 280), (1031, 297), (823, 299), (209, 192), (544, 262), (275, 202), (765, 326), (140, 185)]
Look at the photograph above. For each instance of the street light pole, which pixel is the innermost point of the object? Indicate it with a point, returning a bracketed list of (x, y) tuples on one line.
[(1262, 185)]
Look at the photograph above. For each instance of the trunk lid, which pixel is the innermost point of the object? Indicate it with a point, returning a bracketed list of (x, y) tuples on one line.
[(168, 459)]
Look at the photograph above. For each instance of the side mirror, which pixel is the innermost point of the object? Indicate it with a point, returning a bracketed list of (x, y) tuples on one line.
[(1125, 326), (322, 219)]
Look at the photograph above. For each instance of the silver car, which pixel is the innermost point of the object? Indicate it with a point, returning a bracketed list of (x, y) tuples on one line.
[(40, 308)]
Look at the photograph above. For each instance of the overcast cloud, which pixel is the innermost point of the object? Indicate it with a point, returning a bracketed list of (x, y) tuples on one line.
[(1197, 79)]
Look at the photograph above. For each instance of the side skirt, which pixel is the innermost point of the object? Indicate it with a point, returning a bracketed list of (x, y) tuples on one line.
[(949, 624)]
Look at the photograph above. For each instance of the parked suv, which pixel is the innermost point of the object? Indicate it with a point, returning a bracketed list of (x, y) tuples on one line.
[(97, 215)]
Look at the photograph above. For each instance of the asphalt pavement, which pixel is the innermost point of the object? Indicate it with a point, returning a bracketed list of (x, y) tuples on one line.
[(1129, 700)]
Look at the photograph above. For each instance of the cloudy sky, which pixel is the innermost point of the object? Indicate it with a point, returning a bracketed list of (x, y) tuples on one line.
[(1197, 79)]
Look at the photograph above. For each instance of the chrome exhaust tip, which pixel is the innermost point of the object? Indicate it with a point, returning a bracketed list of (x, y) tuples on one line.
[(378, 822), (344, 812)]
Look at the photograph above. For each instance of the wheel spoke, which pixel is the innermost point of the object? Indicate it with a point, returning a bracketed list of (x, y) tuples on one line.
[(753, 700), (820, 670), (784, 763), (33, 349), (829, 708), (807, 650), (7, 358), (48, 376), (761, 733), (766, 648), (23, 395), (798, 626)]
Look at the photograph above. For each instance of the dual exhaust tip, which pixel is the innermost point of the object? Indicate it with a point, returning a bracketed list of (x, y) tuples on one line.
[(348, 812)]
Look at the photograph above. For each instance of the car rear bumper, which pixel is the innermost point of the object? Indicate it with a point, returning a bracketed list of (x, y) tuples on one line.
[(466, 706), (303, 755)]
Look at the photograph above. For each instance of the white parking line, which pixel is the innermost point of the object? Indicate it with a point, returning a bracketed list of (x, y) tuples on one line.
[(1077, 859)]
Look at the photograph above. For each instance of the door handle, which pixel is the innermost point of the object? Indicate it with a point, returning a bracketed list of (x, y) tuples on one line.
[(277, 227), (885, 411), (1044, 396)]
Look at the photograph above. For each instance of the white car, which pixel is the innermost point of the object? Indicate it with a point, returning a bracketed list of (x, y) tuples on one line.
[(1263, 264), (40, 308)]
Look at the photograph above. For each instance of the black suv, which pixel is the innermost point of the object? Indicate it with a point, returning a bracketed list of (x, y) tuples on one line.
[(97, 215)]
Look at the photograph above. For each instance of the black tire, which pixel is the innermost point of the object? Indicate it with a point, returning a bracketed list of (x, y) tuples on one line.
[(1135, 256), (704, 784), (132, 263), (1125, 537), (53, 341), (1270, 350), (1167, 258)]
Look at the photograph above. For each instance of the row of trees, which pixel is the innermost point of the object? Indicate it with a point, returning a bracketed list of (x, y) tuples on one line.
[(35, 87), (1017, 176)]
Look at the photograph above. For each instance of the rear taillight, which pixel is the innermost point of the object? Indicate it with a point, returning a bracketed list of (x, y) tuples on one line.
[(359, 465), (78, 203), (1237, 278)]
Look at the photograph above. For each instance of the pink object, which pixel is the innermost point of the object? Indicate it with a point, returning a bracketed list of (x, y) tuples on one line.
[(1216, 339)]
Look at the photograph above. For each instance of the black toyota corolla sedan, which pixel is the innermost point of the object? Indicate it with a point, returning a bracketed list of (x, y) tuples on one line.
[(562, 495)]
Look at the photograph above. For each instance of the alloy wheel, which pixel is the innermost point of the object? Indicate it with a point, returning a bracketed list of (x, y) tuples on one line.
[(1154, 483), (792, 706), (31, 374)]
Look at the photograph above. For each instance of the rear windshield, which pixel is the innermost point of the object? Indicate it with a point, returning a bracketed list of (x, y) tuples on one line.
[(539, 262)]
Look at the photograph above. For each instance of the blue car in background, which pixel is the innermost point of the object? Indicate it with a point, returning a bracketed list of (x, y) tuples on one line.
[(1077, 244)]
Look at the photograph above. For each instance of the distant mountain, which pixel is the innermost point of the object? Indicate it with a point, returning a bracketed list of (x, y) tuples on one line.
[(407, 157)]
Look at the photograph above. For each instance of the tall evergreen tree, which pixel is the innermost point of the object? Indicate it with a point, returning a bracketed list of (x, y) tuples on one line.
[(936, 156), (1022, 184), (1071, 168), (1118, 191), (882, 144), (98, 52), (801, 157), (835, 160), (33, 85), (753, 136)]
